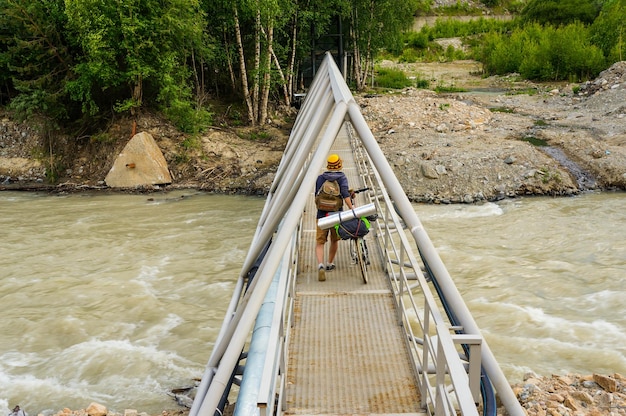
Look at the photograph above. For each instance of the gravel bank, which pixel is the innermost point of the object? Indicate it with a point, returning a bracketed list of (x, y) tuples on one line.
[(444, 148)]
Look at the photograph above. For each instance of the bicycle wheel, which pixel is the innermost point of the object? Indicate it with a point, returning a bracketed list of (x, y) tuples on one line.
[(366, 255), (361, 258), (353, 251)]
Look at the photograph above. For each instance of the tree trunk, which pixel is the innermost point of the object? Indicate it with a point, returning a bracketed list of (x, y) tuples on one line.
[(357, 54), (365, 65), (292, 59), (267, 76), (257, 62), (279, 69), (229, 62), (242, 68)]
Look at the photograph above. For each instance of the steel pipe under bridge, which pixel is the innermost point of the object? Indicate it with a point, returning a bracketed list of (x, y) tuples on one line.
[(404, 343)]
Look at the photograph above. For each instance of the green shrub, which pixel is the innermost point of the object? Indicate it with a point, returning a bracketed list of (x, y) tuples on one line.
[(409, 56), (187, 118), (191, 143), (454, 54), (608, 31), (450, 28), (418, 40), (543, 53), (422, 83), (560, 12), (392, 78)]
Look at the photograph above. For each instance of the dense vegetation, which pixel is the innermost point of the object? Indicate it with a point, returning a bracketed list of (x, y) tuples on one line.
[(549, 40), (84, 60), (78, 62)]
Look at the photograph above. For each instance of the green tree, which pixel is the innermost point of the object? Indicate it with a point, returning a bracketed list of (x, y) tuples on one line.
[(36, 63), (256, 66), (609, 30), (374, 25), (560, 12), (137, 51), (35, 58)]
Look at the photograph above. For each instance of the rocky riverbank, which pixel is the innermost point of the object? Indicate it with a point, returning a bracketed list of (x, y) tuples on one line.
[(557, 395), (523, 139), (572, 395), (481, 145)]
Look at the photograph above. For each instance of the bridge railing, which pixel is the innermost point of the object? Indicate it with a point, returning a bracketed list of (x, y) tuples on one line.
[(446, 387), (447, 383), (397, 201)]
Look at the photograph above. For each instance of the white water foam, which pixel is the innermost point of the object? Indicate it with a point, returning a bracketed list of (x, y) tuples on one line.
[(434, 212)]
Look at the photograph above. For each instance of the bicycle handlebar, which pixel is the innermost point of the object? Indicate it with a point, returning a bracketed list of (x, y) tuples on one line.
[(358, 191)]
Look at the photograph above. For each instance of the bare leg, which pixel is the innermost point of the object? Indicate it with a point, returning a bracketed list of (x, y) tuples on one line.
[(319, 253), (334, 245), (321, 271)]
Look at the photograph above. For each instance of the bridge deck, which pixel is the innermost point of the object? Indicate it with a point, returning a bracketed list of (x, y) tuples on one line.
[(346, 352)]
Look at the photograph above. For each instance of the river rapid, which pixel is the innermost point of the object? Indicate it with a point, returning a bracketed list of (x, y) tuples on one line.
[(117, 298)]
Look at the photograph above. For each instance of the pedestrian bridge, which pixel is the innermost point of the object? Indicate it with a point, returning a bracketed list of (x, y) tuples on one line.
[(403, 344)]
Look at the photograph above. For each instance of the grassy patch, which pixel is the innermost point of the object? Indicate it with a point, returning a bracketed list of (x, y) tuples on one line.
[(392, 78), (501, 110), (422, 83), (547, 176), (255, 134), (102, 138), (535, 141), (449, 88)]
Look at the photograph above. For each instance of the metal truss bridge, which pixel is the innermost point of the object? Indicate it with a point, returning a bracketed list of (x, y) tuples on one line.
[(405, 343)]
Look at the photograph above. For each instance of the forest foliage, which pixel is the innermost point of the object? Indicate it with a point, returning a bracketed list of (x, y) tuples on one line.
[(550, 40), (84, 60), (558, 40), (79, 62)]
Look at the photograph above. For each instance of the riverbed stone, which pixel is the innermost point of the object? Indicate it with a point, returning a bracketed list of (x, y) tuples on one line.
[(141, 163), (607, 383), (96, 409), (429, 171)]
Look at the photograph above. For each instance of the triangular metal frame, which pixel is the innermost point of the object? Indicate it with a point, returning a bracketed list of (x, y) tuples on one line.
[(328, 104)]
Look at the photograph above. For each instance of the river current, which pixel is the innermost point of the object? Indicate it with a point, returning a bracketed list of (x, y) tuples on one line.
[(117, 298)]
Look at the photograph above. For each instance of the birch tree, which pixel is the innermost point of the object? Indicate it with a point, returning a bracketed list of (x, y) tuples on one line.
[(375, 24)]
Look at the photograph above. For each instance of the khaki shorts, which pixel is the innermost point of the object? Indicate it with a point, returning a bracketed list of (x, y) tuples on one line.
[(322, 235)]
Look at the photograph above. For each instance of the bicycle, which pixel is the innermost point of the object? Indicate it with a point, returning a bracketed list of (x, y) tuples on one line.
[(360, 255), (358, 247)]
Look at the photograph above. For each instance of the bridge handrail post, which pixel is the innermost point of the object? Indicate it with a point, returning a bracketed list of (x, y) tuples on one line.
[(447, 352), (474, 342)]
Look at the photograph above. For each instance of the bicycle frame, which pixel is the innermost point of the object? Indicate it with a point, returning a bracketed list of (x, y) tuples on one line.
[(360, 255)]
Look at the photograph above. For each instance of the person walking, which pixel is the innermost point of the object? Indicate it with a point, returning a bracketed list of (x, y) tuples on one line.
[(331, 192)]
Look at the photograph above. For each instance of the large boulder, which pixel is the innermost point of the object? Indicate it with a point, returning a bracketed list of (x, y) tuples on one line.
[(141, 163)]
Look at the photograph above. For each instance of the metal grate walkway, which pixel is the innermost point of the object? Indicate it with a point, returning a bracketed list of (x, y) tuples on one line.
[(346, 354)]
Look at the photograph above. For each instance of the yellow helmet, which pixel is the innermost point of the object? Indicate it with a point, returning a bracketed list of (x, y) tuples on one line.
[(334, 162)]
